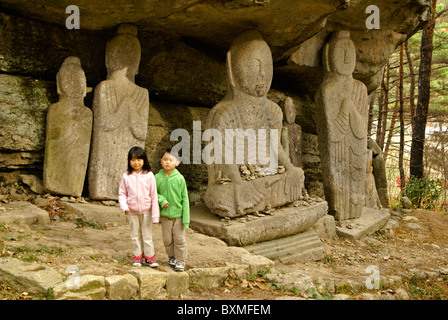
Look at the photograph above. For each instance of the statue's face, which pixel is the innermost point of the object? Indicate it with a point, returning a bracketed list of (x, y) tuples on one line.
[(72, 82), (252, 69), (343, 57), (123, 52)]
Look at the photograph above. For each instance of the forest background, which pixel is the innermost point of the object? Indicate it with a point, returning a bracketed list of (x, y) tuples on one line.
[(409, 116)]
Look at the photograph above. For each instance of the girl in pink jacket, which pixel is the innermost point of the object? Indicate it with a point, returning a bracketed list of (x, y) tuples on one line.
[(137, 196)]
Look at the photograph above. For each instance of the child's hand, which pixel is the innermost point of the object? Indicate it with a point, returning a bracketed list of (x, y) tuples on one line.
[(165, 206), (127, 212)]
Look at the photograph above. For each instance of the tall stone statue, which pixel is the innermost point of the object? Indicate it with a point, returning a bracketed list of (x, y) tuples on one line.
[(246, 108), (342, 128), (292, 133), (120, 111), (68, 132)]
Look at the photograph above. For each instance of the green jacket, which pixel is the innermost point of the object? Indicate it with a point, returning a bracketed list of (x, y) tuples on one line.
[(173, 190)]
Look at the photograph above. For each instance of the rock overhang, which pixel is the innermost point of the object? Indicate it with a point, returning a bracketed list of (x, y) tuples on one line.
[(285, 24)]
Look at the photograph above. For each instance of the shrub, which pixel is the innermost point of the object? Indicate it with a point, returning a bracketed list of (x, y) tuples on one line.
[(423, 193)]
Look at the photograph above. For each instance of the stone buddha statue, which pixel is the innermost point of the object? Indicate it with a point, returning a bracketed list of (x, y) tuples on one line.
[(291, 133), (246, 107), (120, 110), (68, 132), (342, 117)]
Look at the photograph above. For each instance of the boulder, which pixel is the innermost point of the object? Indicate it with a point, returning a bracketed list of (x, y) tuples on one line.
[(83, 287), (121, 287), (23, 212), (29, 277), (152, 283)]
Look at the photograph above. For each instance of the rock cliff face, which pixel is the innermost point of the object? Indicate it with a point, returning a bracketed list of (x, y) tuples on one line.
[(184, 43)]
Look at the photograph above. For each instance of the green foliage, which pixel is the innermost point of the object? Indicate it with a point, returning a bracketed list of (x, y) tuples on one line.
[(423, 193)]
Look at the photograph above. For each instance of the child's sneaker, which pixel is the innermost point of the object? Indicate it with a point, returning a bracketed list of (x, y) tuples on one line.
[(137, 261), (172, 261), (151, 262), (180, 265)]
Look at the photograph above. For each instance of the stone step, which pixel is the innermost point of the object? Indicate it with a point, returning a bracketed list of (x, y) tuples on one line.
[(284, 222), (301, 247)]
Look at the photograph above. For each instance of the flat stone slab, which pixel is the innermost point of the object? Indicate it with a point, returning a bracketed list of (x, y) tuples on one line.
[(23, 212), (370, 221), (98, 213), (302, 247), (29, 277), (284, 222)]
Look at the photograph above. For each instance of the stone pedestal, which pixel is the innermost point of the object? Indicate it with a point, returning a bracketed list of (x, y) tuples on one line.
[(302, 247), (284, 222), (370, 221)]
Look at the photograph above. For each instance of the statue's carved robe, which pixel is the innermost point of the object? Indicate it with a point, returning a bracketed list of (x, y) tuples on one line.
[(120, 123), (342, 103)]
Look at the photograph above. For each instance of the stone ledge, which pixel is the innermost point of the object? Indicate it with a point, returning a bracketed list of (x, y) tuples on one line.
[(302, 247), (286, 221), (143, 283), (100, 214), (23, 212), (370, 221)]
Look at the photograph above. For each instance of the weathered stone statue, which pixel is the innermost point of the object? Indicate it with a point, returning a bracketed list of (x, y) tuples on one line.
[(68, 131), (246, 107), (120, 110), (371, 194), (291, 133), (342, 129), (379, 172)]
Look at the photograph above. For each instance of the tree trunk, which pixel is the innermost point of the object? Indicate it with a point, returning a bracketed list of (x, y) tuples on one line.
[(421, 112), (401, 151), (383, 108), (391, 130), (411, 84)]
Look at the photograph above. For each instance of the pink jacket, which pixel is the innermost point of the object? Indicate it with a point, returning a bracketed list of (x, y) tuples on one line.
[(138, 193)]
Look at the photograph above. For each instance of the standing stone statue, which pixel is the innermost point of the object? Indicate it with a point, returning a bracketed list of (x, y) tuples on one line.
[(246, 107), (292, 133), (120, 110), (371, 194), (68, 131), (342, 129), (379, 172)]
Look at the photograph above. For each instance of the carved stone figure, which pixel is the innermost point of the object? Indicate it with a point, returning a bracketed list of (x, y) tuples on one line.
[(342, 128), (371, 194), (292, 133), (379, 172), (68, 132), (246, 107), (120, 111)]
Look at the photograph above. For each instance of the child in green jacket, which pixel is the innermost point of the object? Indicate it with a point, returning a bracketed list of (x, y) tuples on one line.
[(175, 210)]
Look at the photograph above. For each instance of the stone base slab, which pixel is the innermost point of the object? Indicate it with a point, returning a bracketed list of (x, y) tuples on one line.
[(100, 214), (370, 221), (284, 222), (23, 212), (302, 247)]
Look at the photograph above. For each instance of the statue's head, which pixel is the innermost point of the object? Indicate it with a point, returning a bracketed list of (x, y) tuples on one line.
[(249, 64), (71, 80), (339, 54), (124, 51)]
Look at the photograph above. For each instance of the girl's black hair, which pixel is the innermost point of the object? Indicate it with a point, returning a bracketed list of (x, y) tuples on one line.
[(139, 153)]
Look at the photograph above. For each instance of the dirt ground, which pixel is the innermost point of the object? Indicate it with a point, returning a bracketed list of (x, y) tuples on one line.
[(418, 241)]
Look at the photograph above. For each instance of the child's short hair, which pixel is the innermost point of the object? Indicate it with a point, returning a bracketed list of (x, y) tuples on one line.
[(168, 150), (139, 153)]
